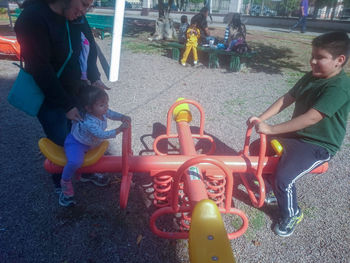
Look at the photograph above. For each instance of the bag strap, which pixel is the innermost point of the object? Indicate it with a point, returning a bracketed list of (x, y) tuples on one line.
[(69, 54)]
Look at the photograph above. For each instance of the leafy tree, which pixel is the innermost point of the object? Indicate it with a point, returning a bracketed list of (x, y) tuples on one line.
[(289, 6), (164, 25), (346, 3), (196, 1), (321, 4)]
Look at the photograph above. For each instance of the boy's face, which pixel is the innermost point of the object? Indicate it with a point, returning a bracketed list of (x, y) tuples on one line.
[(323, 65)]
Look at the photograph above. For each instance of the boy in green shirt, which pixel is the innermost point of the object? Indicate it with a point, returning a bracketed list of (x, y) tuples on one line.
[(318, 126)]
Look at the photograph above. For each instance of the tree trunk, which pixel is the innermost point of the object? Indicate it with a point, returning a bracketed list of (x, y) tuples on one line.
[(164, 25), (165, 29)]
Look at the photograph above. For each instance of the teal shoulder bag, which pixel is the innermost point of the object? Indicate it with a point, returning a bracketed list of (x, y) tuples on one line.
[(25, 94)]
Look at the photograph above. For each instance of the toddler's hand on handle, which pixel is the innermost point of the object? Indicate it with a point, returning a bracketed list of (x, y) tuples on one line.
[(122, 127), (126, 119)]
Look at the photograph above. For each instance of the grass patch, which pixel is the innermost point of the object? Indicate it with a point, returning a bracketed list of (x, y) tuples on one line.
[(309, 211), (236, 105), (4, 17), (293, 77), (281, 52), (256, 222), (142, 47), (277, 53)]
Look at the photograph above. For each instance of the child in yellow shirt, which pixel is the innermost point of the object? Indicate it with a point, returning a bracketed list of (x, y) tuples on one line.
[(193, 34)]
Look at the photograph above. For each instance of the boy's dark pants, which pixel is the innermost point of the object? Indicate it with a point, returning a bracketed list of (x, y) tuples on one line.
[(298, 158)]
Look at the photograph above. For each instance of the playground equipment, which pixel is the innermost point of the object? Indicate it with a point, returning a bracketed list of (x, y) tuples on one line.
[(188, 184), (9, 47)]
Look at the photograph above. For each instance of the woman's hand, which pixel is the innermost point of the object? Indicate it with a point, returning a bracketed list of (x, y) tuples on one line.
[(74, 115), (99, 84)]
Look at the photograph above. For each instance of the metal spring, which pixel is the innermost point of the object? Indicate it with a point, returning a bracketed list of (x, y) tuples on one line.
[(185, 218), (216, 188), (162, 186)]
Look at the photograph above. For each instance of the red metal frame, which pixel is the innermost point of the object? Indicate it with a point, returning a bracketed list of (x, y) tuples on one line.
[(259, 170), (168, 134), (174, 179), (10, 47)]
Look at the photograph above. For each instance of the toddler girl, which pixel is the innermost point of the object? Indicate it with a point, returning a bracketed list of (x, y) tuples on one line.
[(193, 34), (87, 134)]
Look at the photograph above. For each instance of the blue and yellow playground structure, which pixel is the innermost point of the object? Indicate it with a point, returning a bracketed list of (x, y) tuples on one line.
[(195, 188)]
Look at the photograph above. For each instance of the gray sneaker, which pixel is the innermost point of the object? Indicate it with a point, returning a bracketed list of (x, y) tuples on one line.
[(287, 225), (98, 179), (270, 198)]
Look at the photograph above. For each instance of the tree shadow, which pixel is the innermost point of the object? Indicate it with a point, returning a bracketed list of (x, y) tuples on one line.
[(273, 60), (134, 27), (166, 146)]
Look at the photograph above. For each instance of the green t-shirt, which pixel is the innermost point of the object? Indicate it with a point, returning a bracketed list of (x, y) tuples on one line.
[(330, 97)]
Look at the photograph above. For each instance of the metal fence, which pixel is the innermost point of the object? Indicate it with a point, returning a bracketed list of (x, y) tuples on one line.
[(268, 8)]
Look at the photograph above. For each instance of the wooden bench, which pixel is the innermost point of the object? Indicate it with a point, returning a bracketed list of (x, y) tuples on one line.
[(213, 54), (101, 22)]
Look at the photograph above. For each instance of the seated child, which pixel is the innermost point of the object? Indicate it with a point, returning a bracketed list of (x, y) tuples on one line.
[(183, 29), (193, 34), (235, 41), (87, 134), (318, 125)]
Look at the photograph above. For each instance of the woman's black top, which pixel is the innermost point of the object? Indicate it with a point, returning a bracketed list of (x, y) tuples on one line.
[(43, 37)]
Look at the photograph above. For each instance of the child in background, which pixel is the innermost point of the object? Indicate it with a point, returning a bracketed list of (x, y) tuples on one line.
[(83, 57), (193, 34), (236, 40), (87, 134), (183, 29), (318, 125)]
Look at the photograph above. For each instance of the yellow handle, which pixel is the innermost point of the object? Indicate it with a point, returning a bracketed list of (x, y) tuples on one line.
[(277, 147), (182, 112)]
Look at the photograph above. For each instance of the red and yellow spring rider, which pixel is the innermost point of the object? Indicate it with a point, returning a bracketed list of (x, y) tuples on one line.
[(198, 187)]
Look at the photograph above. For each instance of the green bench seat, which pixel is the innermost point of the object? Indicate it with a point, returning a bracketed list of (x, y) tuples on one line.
[(101, 22), (213, 54)]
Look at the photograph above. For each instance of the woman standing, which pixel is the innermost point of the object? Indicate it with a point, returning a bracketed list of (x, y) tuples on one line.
[(42, 31)]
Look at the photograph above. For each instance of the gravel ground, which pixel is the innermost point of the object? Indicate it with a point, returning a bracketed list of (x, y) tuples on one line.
[(34, 228)]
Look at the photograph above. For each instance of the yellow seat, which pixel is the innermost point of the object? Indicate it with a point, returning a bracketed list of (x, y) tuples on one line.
[(56, 155), (208, 241)]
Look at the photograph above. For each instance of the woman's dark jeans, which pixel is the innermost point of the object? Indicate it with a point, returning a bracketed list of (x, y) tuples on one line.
[(56, 127)]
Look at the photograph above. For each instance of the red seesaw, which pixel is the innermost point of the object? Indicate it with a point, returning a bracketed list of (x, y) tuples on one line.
[(182, 181), (9, 47)]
